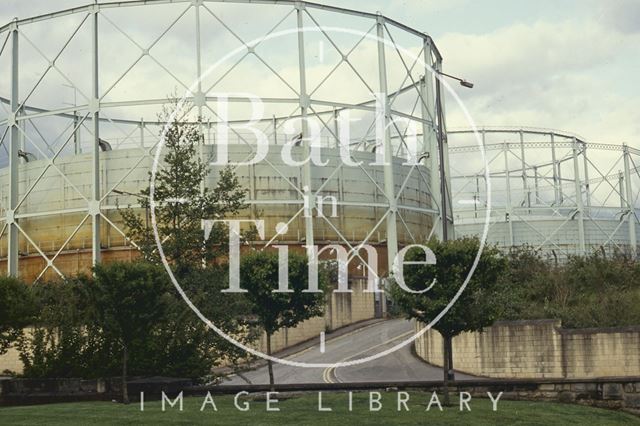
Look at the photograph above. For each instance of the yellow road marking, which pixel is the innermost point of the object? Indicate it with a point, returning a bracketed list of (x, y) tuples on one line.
[(329, 371)]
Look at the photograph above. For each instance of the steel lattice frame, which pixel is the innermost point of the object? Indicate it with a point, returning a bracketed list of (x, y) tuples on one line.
[(552, 190), (92, 117)]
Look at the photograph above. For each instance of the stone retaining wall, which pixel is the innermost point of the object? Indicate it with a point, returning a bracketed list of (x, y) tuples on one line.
[(539, 349)]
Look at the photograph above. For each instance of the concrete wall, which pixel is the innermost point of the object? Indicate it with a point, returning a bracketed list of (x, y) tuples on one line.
[(342, 309), (601, 352), (10, 362), (539, 349)]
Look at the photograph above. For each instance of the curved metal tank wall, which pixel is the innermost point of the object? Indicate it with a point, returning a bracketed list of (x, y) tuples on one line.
[(361, 203)]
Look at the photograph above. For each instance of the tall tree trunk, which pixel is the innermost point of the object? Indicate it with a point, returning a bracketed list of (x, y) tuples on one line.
[(125, 391), (452, 374), (270, 364), (445, 367)]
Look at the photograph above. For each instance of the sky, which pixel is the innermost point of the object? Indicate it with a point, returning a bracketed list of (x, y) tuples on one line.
[(564, 64)]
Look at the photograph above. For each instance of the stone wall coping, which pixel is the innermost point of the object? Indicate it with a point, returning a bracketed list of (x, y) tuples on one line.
[(558, 381), (562, 330), (528, 322), (598, 330)]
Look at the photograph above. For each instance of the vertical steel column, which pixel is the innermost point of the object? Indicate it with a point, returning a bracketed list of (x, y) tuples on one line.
[(476, 198), (12, 241), (587, 187), (535, 183), (389, 185), (579, 205), (200, 98), (556, 195), (426, 128), (274, 123), (508, 207), (76, 131), (630, 205), (199, 95), (525, 188), (445, 171), (142, 133), (429, 139), (336, 129), (306, 145), (560, 193), (623, 202), (22, 126), (94, 203), (443, 156)]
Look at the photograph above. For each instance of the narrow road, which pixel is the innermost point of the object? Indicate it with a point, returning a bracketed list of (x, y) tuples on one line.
[(400, 365)]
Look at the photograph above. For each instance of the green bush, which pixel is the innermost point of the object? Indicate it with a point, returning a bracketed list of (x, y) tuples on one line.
[(16, 311), (588, 291), (70, 337)]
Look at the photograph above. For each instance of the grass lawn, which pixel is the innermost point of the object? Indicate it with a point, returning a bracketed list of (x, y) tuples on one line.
[(303, 410)]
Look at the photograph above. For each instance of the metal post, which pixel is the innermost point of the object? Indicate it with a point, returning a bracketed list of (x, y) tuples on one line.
[(631, 216), (12, 256), (579, 206), (275, 130), (587, 188), (623, 203), (389, 186), (142, 133), (426, 129), (94, 204), (76, 141), (476, 198), (22, 126), (336, 129), (556, 196), (442, 142), (535, 183), (200, 97), (525, 188), (508, 207), (445, 171), (560, 193), (429, 133), (304, 106)]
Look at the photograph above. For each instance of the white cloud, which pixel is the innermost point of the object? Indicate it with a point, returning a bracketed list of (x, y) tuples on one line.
[(546, 75), (623, 15)]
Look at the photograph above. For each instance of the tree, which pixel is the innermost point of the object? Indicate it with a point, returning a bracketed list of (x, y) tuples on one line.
[(478, 304), (185, 345), (63, 341), (183, 201), (128, 298), (273, 310), (67, 339), (16, 311)]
